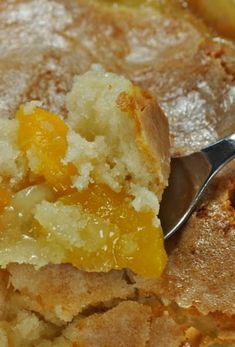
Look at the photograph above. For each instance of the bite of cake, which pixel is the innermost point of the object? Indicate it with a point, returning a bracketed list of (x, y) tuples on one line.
[(86, 190)]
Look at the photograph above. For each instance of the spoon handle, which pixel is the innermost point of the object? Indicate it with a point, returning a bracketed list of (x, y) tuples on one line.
[(220, 153)]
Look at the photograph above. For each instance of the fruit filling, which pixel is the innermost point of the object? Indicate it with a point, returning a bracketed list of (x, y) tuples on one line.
[(44, 135)]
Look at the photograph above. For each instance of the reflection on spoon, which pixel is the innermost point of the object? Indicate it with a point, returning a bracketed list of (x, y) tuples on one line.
[(190, 175)]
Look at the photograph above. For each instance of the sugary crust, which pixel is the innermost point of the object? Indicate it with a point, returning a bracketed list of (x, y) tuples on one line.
[(61, 292), (125, 325), (202, 265), (165, 332), (76, 314)]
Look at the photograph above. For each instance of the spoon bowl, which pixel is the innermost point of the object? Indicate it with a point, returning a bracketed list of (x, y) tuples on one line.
[(190, 175)]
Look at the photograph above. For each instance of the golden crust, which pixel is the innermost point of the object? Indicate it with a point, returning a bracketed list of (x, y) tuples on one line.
[(30, 302), (152, 130), (165, 332), (125, 325), (154, 136), (61, 292), (201, 268)]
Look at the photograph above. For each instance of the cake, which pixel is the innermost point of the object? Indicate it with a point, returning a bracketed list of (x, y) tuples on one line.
[(169, 52), (86, 190)]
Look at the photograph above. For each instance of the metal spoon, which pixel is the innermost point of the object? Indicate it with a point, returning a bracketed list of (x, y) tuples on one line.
[(190, 175)]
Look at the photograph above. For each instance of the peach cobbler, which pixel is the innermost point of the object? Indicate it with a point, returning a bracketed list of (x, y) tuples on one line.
[(83, 164), (86, 190)]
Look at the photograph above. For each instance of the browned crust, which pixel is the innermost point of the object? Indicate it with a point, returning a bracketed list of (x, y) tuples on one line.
[(152, 132), (66, 287), (89, 319), (155, 137), (125, 325)]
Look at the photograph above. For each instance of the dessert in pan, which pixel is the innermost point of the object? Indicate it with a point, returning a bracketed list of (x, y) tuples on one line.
[(86, 90)]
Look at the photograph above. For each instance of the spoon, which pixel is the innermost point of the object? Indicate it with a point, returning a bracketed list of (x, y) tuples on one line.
[(190, 175)]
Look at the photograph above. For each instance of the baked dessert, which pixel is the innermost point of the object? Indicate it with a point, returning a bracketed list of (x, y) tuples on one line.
[(43, 45), (86, 191)]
